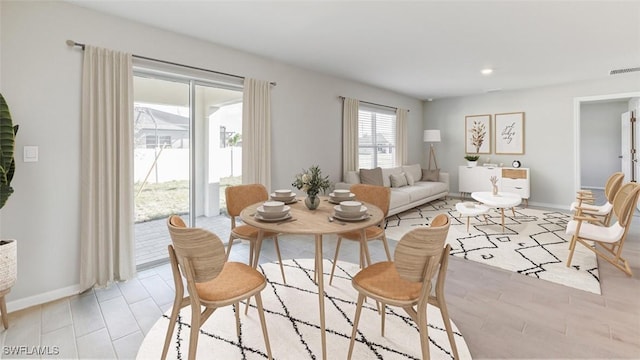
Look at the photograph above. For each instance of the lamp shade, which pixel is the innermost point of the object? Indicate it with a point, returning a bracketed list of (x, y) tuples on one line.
[(431, 136)]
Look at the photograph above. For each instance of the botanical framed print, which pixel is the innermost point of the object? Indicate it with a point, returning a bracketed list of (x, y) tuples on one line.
[(509, 133), (477, 134)]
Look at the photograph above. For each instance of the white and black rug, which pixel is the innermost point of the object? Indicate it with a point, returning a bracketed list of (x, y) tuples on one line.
[(291, 312), (533, 243)]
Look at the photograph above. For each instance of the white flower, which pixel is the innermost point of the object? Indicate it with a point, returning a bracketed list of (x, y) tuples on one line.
[(305, 178)]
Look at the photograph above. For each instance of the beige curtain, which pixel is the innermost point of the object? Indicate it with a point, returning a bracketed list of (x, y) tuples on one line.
[(349, 136), (402, 146), (106, 228), (256, 132)]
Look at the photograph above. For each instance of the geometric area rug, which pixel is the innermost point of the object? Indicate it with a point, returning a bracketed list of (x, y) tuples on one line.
[(292, 319), (534, 242)]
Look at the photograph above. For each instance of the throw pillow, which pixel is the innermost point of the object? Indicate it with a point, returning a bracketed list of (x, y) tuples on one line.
[(371, 176), (430, 175), (398, 180), (410, 179)]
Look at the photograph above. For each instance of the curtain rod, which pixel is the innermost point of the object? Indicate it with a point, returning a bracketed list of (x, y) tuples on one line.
[(73, 43), (372, 103)]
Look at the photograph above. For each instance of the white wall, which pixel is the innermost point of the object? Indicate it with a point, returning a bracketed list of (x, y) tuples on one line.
[(41, 81), (600, 141), (549, 132)]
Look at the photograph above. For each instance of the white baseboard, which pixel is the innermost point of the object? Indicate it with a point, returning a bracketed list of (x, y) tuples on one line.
[(43, 298)]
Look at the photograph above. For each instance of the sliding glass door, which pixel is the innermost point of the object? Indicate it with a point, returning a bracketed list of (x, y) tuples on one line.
[(188, 148)]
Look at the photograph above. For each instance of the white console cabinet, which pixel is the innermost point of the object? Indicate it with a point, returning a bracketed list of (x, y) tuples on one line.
[(476, 178)]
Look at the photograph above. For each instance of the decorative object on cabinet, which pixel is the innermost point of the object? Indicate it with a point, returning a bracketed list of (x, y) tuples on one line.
[(477, 133), (472, 160), (494, 185), (515, 164), (509, 133), (432, 136)]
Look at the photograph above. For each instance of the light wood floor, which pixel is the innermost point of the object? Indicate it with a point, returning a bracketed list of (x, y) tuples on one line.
[(501, 314)]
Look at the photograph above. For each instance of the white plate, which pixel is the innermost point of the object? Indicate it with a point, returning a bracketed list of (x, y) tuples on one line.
[(349, 214), (285, 200), (284, 217), (270, 215), (359, 218), (337, 200)]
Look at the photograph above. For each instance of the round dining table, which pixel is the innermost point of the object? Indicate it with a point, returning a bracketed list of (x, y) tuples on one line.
[(317, 223)]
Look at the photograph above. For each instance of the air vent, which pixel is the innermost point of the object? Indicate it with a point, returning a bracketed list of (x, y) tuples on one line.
[(623, 71)]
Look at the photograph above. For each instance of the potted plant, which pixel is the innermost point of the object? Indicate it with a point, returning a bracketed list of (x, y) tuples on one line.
[(8, 248), (472, 160)]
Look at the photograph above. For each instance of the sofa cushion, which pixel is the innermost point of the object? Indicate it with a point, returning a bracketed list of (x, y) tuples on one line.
[(432, 187), (410, 179), (353, 177), (430, 174), (371, 176), (398, 180), (386, 172), (398, 198), (414, 170)]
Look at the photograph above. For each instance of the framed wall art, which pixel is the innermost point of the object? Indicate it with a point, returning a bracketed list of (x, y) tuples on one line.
[(509, 133), (477, 134)]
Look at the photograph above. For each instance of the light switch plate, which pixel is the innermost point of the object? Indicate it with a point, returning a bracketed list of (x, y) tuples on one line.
[(30, 153)]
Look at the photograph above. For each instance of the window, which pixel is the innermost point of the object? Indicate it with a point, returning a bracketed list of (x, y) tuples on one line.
[(376, 137)]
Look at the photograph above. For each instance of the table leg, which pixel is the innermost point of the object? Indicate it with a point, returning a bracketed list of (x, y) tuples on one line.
[(320, 278), (365, 246), (257, 248), (502, 215), (467, 224), (3, 310)]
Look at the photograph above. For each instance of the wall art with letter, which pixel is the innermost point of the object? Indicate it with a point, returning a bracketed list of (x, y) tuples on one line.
[(477, 134), (509, 133)]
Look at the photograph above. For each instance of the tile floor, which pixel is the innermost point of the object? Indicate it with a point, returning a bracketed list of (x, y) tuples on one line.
[(501, 314)]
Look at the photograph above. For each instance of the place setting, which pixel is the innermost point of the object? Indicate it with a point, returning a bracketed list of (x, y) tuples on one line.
[(338, 196), (350, 211), (285, 196), (273, 211)]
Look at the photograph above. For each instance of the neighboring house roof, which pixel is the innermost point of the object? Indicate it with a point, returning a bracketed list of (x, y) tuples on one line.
[(366, 139), (151, 119)]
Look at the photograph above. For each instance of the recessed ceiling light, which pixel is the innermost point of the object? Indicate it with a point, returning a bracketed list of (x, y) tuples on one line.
[(486, 71)]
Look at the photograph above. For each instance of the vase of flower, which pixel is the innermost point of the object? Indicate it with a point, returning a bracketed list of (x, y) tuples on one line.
[(312, 202), (312, 182)]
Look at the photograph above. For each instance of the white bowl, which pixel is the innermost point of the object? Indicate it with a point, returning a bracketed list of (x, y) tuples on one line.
[(339, 193), (350, 206), (272, 214), (350, 214), (283, 193), (273, 206)]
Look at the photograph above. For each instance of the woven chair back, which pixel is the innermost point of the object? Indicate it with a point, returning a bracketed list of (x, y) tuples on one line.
[(613, 185), (418, 254), (379, 196), (202, 248), (625, 202), (240, 196)]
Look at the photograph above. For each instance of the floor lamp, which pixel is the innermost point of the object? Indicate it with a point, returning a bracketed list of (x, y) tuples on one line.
[(432, 136)]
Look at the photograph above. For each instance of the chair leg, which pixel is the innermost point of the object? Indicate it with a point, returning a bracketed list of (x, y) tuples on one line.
[(447, 325), (195, 331), (172, 325), (572, 247), (335, 259), (275, 242), (236, 310), (263, 324), (422, 328), (383, 317), (356, 319), (386, 247), (229, 248)]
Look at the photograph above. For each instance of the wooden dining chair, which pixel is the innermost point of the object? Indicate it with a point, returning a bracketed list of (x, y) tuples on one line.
[(239, 197), (406, 282), (602, 213), (379, 196), (198, 256), (585, 229)]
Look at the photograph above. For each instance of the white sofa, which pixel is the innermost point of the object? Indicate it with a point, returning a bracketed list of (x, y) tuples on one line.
[(406, 197)]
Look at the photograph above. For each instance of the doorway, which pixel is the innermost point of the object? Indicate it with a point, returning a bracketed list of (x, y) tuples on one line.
[(188, 148)]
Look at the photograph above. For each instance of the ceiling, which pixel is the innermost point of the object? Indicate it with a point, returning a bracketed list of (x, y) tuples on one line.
[(426, 49)]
